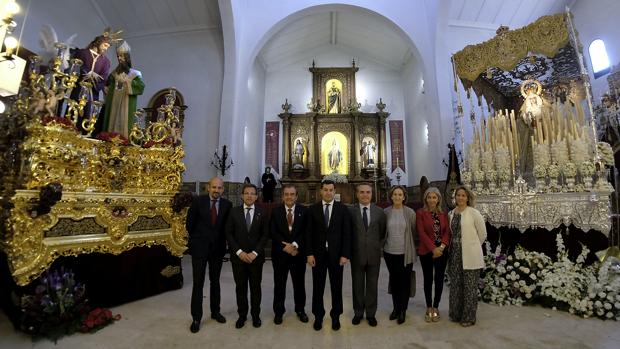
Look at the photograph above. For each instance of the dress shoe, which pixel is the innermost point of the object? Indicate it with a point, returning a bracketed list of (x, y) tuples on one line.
[(256, 322), (195, 327), (218, 317), (277, 319), (401, 317), (356, 320), (302, 316), (335, 324), (372, 321), (394, 315), (318, 324), (240, 322)]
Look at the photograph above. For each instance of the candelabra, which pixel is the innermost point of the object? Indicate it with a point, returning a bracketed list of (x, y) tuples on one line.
[(222, 163), (166, 130)]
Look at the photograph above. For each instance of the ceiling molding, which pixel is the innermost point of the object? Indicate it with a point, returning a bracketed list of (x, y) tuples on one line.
[(99, 12), (471, 24), (174, 30)]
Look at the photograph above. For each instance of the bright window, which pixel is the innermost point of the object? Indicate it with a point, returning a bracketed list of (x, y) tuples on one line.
[(598, 56)]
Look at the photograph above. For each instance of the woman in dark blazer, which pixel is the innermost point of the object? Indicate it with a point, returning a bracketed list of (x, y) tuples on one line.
[(432, 227)]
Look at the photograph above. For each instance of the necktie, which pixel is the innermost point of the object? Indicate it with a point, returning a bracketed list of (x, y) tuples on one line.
[(213, 212), (248, 218), (289, 219), (326, 214), (365, 217)]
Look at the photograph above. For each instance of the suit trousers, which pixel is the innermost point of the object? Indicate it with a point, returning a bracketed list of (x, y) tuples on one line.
[(400, 279), (244, 275), (283, 263), (199, 267), (365, 280), (319, 274)]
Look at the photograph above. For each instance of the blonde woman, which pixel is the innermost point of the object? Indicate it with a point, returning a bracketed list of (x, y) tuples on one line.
[(399, 250), (466, 260), (432, 227)]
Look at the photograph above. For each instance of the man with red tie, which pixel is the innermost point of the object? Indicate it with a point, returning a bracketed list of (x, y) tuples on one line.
[(287, 230), (205, 225)]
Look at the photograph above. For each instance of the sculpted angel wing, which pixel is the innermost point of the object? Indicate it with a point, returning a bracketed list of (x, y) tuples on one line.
[(47, 39)]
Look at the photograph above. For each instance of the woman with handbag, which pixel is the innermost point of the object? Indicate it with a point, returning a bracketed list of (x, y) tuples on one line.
[(399, 250), (432, 227), (466, 259)]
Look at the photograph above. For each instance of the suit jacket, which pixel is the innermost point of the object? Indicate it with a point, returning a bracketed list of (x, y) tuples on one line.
[(279, 229), (239, 238), (206, 239), (367, 244), (337, 235)]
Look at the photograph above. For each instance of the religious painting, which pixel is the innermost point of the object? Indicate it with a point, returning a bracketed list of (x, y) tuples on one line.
[(368, 152), (300, 153), (333, 96), (334, 154)]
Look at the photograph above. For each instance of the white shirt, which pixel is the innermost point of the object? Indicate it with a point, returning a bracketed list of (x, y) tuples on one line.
[(286, 208), (367, 212), (331, 207), (245, 210)]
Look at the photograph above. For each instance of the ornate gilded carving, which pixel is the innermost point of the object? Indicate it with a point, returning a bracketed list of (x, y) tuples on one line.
[(546, 36)]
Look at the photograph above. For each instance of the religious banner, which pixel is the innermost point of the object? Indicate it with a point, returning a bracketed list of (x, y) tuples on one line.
[(272, 137), (397, 145)]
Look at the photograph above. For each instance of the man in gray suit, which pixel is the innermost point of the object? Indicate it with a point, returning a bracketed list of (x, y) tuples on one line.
[(369, 229)]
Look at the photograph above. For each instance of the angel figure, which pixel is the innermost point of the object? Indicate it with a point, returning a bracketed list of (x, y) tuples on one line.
[(52, 101), (47, 42)]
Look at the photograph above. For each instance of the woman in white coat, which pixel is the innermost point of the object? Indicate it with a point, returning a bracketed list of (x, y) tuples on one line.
[(468, 232)]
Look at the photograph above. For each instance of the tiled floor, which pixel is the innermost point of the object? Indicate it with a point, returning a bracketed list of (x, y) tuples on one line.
[(163, 322)]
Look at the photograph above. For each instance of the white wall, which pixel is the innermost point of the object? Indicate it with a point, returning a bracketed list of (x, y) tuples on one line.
[(193, 63), (252, 130), (598, 19)]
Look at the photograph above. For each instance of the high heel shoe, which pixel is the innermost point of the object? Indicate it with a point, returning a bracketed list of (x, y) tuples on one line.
[(435, 317), (428, 317)]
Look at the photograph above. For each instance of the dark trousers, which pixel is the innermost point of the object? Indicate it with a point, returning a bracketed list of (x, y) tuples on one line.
[(400, 280), (283, 263), (439, 265), (199, 267), (252, 275), (319, 273), (365, 279)]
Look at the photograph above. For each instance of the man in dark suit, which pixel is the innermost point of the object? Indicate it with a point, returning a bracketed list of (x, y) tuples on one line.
[(369, 224), (207, 245), (328, 249), (287, 230), (246, 233)]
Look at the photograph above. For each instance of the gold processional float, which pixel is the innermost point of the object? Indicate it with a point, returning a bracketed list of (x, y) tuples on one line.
[(64, 194), (540, 166)]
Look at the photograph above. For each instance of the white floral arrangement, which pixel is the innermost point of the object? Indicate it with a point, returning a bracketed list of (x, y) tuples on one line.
[(466, 177), (541, 154), (569, 169), (540, 171), (553, 171), (559, 152), (336, 178), (587, 168), (504, 175), (578, 151), (479, 175), (528, 277)]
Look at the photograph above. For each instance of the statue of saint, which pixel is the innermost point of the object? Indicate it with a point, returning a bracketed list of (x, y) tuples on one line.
[(368, 153), (334, 156), (298, 154), (334, 102)]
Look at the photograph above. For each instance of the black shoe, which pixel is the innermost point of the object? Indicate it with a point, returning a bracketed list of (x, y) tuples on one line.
[(218, 317), (335, 324), (302, 316), (356, 320), (277, 319), (195, 327), (318, 324), (394, 314), (401, 317), (256, 322), (240, 322), (372, 321)]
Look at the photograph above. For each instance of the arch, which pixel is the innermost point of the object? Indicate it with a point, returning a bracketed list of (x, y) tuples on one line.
[(599, 58)]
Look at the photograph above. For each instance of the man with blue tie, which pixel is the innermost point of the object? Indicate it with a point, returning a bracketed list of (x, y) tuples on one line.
[(207, 245), (328, 249), (287, 235), (369, 227), (246, 233)]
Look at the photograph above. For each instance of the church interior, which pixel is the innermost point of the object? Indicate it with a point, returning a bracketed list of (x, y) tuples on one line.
[(116, 116)]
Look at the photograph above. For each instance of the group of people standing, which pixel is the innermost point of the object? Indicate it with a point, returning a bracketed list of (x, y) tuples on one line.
[(326, 236)]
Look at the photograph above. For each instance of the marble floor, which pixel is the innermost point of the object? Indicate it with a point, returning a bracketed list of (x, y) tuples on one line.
[(163, 321)]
